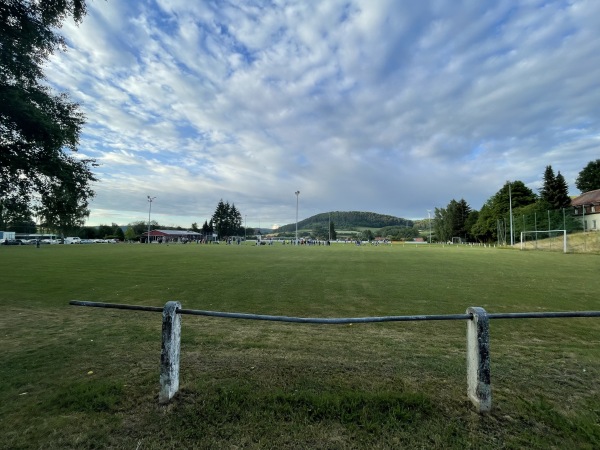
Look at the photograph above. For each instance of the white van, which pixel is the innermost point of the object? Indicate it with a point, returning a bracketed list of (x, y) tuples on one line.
[(72, 240)]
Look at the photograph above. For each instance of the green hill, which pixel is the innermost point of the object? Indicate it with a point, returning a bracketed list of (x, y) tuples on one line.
[(347, 220)]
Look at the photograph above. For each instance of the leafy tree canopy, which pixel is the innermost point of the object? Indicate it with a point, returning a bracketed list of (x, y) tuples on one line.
[(589, 177), (497, 208), (451, 221), (398, 232), (39, 130)]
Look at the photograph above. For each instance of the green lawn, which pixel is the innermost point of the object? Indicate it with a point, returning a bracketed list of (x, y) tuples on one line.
[(76, 377)]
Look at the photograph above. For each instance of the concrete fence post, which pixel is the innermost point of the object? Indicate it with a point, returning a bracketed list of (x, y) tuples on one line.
[(169, 353), (479, 388)]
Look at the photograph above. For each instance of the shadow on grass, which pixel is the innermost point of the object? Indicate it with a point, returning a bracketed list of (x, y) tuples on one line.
[(240, 416)]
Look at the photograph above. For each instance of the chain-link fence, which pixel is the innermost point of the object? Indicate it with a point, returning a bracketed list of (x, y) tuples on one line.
[(543, 230)]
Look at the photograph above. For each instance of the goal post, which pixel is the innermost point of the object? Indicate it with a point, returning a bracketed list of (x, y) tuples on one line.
[(543, 240)]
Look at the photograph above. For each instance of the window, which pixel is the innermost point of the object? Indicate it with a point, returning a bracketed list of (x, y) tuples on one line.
[(593, 209), (576, 211), (593, 224)]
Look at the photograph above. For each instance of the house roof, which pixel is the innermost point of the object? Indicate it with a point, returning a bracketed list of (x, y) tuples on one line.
[(587, 198)]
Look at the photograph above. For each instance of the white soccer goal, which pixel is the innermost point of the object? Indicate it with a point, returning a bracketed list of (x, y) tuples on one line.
[(544, 240)]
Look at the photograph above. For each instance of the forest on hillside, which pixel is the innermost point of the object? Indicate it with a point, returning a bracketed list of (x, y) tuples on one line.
[(348, 220)]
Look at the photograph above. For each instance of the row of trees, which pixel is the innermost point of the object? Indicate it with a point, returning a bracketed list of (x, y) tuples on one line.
[(530, 211)]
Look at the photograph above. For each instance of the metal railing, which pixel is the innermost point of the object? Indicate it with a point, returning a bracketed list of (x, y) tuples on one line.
[(478, 341)]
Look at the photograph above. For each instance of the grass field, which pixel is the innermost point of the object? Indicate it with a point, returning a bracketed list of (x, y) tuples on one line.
[(75, 377)]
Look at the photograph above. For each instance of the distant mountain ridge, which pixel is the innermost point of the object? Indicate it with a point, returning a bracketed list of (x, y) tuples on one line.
[(345, 220)]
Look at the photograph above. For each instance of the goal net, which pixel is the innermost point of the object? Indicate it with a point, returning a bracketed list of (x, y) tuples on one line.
[(551, 240)]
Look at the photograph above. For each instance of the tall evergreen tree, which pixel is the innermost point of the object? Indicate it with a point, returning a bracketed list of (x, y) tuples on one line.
[(205, 228), (547, 192), (461, 214), (227, 220), (554, 193), (451, 221), (220, 218), (561, 199), (235, 220), (332, 231)]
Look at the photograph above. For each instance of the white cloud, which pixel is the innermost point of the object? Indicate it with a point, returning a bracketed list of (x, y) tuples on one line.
[(393, 107)]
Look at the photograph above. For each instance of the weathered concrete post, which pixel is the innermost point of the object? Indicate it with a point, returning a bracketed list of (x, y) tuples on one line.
[(169, 353), (479, 388)]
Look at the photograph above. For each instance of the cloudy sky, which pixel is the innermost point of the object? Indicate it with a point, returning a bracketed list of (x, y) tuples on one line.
[(388, 106)]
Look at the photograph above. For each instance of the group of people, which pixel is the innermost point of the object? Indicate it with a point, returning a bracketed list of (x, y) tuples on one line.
[(302, 241)]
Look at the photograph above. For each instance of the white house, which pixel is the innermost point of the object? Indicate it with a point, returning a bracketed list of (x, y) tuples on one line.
[(587, 207)]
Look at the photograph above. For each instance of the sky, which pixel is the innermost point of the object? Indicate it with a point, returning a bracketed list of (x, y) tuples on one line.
[(388, 106)]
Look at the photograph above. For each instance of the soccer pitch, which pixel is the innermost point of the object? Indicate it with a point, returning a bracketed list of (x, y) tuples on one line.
[(85, 377)]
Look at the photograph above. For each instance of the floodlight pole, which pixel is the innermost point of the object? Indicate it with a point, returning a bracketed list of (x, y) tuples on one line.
[(429, 215), (149, 211), (512, 238), (245, 226), (297, 194)]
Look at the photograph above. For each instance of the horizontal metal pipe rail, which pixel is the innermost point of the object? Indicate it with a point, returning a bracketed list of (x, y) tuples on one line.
[(478, 339), (342, 320)]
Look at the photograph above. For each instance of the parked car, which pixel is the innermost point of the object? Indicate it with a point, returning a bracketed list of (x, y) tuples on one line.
[(11, 242), (51, 241)]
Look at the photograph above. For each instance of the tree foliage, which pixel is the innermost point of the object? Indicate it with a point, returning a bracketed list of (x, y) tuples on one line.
[(398, 233), (332, 232), (589, 177), (555, 191), (207, 228), (347, 220), (451, 221), (140, 227), (130, 234), (39, 130), (367, 235), (319, 232), (497, 209), (226, 220)]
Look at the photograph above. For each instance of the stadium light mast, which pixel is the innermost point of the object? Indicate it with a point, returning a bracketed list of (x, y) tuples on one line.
[(429, 215), (149, 211), (297, 194), (512, 238)]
